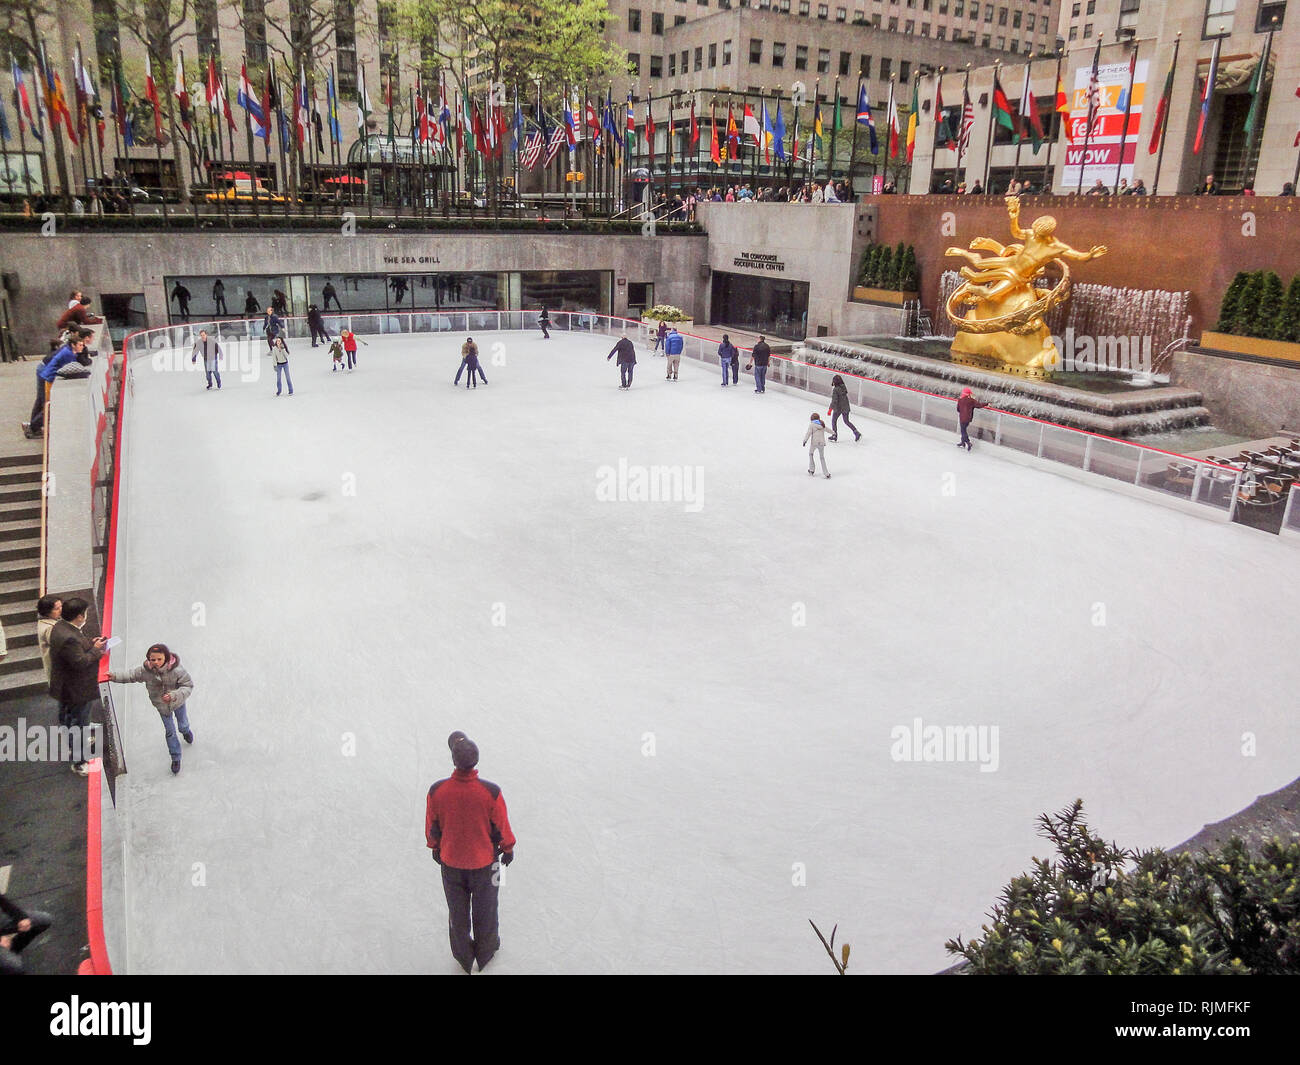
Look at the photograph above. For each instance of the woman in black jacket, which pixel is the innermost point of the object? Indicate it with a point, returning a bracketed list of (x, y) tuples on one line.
[(840, 408)]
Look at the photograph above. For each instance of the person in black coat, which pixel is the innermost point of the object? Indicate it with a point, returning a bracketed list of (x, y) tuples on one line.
[(758, 360), (544, 320), (17, 929), (74, 674), (626, 360), (317, 325), (840, 408), (967, 404)]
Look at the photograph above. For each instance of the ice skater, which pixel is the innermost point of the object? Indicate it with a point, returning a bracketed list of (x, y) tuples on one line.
[(759, 358), (274, 328), (673, 343), (626, 361), (729, 357), (280, 353), (815, 440), (182, 297), (966, 407), (839, 408), (317, 325), (544, 320), (467, 829), (219, 297), (661, 334), (349, 339), (336, 349), (169, 687), (469, 361), (210, 348)]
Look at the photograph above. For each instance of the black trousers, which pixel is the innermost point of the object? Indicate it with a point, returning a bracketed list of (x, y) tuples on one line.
[(315, 333), (835, 421), (219, 305), (625, 373), (471, 894), (37, 421)]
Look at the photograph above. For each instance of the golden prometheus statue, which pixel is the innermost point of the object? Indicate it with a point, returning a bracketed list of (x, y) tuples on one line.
[(1004, 329)]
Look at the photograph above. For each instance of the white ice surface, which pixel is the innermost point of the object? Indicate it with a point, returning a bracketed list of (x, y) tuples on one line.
[(330, 616)]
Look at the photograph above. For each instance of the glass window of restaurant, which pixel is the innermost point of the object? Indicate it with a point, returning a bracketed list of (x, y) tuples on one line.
[(774, 306)]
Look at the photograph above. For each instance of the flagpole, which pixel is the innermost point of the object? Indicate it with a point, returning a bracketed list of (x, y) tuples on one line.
[(1164, 124), (1259, 90), (1128, 104), (961, 130), (988, 147), (80, 94), (1047, 162), (891, 119), (1025, 92), (1092, 110)]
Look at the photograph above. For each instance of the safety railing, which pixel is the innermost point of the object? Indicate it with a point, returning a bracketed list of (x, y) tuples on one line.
[(1208, 486)]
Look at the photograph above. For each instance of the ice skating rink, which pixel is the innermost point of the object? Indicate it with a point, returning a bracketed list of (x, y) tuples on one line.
[(688, 708)]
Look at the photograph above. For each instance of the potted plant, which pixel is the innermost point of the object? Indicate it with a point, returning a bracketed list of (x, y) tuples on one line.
[(674, 316), (888, 275)]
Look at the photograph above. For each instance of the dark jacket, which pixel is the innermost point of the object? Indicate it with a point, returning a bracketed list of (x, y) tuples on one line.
[(74, 665), (274, 323), (840, 399), (465, 821), (624, 350), (314, 320), (761, 353), (966, 406), (12, 915), (727, 350)]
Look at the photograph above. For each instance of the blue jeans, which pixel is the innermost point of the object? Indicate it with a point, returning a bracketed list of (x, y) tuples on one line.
[(760, 377), (279, 368), (210, 374), (180, 716), (726, 365)]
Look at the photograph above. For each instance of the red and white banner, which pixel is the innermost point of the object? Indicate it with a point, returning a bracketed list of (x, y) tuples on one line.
[(1107, 127)]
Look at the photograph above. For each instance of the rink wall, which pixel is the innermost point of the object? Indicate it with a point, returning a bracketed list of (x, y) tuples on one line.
[(138, 263)]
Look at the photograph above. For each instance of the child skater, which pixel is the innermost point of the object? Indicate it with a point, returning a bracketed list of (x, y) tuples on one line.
[(336, 349), (817, 434), (169, 687)]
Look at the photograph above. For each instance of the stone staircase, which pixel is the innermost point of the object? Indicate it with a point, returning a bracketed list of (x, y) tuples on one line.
[(21, 673)]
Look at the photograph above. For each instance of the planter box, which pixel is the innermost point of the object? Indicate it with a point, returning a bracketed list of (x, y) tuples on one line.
[(1263, 349), (884, 296), (681, 327)]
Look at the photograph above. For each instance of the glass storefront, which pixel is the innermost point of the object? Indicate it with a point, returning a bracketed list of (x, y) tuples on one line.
[(768, 305), (197, 298)]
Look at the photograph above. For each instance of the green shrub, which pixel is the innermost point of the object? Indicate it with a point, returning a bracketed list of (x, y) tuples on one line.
[(1287, 326), (1231, 298), (1270, 307), (1244, 313), (663, 312), (1098, 909)]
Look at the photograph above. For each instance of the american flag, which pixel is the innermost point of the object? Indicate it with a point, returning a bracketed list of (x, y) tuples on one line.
[(967, 120), (557, 141), (533, 149)]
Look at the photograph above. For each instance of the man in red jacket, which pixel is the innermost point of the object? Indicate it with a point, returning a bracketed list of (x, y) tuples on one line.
[(466, 827), (967, 404)]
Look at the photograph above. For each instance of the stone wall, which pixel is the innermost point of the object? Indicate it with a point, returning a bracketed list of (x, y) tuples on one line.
[(1253, 398), (49, 267)]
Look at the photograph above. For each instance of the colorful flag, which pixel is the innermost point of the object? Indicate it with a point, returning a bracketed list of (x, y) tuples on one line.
[(332, 109), (1002, 107), (768, 135), (694, 137), (778, 128), (817, 126), (125, 123), (733, 136), (751, 127), (1296, 143), (570, 127), (1029, 121), (225, 104), (303, 117), (1257, 86), (151, 94), (631, 121), (864, 118), (967, 121), (715, 153), (611, 125), (1206, 96), (363, 100), (182, 93), (4, 122), (1162, 109), (212, 91), (24, 104), (942, 130), (913, 117), (1094, 90), (79, 87), (891, 121), (555, 142)]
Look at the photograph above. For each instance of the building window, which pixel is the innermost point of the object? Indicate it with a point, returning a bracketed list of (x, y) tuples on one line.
[(988, 13), (205, 30), (845, 59), (1092, 7), (699, 58), (1087, 31), (634, 63), (1001, 43), (107, 42), (657, 23), (875, 21), (679, 20), (778, 54), (656, 66), (1015, 20), (925, 29), (823, 11), (974, 12), (1074, 32), (255, 32), (345, 40), (864, 66), (1074, 11), (957, 7), (755, 50), (1002, 16), (800, 57), (672, 64), (909, 26), (986, 41), (886, 67), (804, 7), (1128, 14), (713, 56), (823, 61), (841, 15), (686, 60), (893, 25), (1264, 22), (1218, 17), (633, 20), (904, 70), (726, 53), (941, 34)]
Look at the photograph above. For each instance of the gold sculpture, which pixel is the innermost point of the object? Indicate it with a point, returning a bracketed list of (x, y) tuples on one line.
[(1004, 329)]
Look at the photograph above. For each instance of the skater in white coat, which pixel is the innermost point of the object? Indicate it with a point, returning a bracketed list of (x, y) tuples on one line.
[(815, 440)]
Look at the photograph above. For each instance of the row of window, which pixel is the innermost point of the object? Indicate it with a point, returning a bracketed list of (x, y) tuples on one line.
[(635, 23)]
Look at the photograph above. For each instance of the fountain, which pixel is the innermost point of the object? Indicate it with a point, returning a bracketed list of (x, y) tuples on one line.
[(1091, 357)]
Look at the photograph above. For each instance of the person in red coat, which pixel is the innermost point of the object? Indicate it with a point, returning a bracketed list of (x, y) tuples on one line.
[(467, 829), (966, 407)]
